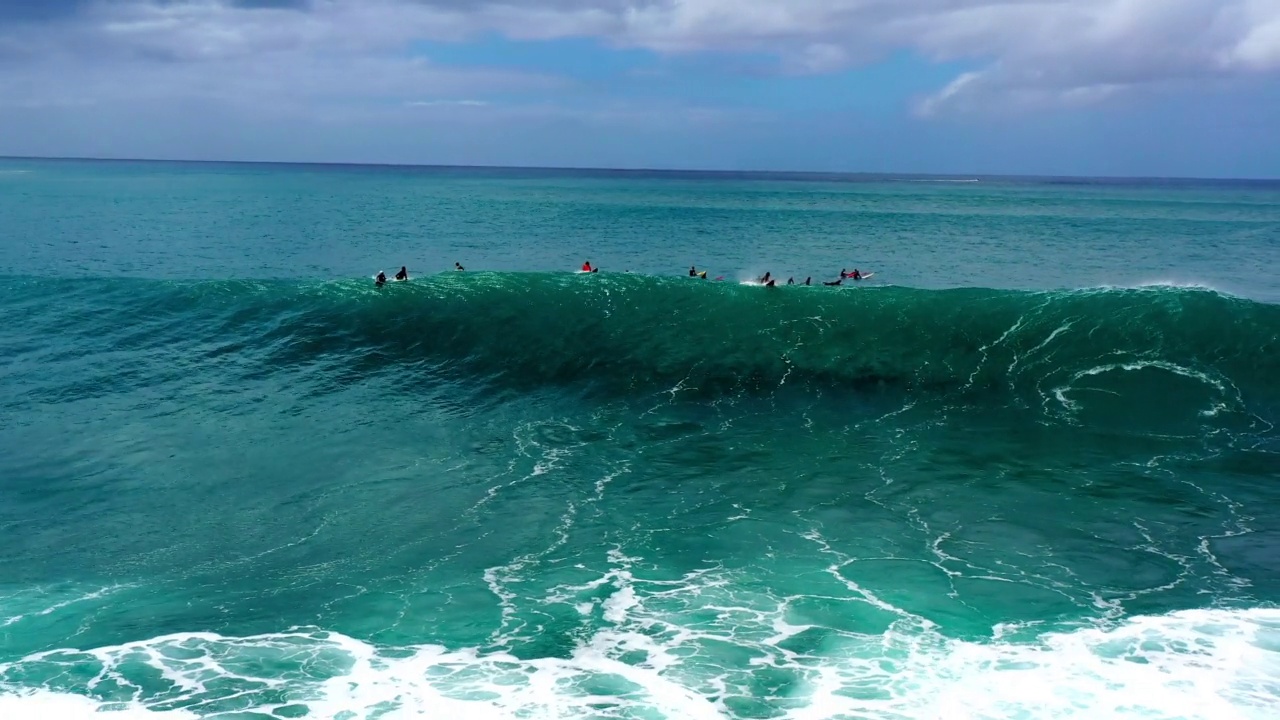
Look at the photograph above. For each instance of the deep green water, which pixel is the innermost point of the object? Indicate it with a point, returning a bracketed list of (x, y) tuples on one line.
[(1029, 470)]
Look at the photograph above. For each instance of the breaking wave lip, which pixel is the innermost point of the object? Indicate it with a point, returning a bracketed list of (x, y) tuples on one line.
[(1192, 664), (1167, 285)]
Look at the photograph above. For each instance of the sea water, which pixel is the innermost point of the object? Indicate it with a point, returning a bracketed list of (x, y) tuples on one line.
[(1028, 470)]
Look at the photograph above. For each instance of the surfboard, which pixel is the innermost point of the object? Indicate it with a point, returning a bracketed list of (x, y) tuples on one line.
[(867, 276)]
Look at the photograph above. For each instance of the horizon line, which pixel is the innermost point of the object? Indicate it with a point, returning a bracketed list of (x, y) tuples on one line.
[(797, 174)]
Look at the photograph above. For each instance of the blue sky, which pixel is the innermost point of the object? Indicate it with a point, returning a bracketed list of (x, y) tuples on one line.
[(1085, 87)]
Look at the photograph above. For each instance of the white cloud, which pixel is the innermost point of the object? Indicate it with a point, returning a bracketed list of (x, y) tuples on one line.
[(1032, 52), (274, 59), (1259, 49), (957, 87), (1023, 53)]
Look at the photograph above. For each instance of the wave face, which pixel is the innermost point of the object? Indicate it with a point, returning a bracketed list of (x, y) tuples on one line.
[(625, 333)]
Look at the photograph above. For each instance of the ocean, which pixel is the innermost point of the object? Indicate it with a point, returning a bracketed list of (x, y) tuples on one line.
[(1030, 469)]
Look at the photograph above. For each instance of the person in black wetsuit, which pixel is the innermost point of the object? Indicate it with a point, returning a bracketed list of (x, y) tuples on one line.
[(833, 282), (458, 266), (856, 275), (403, 274), (380, 280), (806, 280), (791, 281), (692, 271)]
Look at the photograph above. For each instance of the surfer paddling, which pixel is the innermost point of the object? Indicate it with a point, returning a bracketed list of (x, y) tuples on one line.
[(380, 280), (403, 274)]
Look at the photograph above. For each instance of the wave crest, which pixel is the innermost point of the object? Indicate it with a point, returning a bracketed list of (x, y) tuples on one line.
[(628, 333)]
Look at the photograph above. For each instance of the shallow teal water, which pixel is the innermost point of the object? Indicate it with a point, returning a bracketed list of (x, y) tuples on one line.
[(1028, 470)]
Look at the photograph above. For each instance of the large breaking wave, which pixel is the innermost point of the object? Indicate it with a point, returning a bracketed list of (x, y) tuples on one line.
[(632, 333)]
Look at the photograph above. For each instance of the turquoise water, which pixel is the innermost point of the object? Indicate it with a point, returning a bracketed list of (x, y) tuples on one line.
[(1028, 470)]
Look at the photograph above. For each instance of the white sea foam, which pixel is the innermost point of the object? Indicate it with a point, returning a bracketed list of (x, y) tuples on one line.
[(1191, 664), (1213, 664), (50, 600), (708, 645), (1225, 395)]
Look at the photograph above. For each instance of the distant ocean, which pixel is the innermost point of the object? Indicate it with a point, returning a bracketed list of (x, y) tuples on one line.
[(1030, 469)]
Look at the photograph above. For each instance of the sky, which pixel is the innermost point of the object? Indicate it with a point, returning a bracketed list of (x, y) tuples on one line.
[(1043, 87)]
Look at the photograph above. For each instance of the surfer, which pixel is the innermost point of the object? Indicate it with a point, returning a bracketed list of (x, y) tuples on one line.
[(833, 282), (403, 274), (458, 266), (856, 275), (693, 271), (764, 280), (806, 280), (586, 267), (380, 280)]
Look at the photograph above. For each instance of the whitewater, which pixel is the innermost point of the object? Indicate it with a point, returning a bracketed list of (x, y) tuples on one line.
[(237, 480)]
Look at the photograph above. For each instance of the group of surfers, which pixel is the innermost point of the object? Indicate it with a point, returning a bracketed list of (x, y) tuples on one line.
[(403, 275), (767, 280)]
